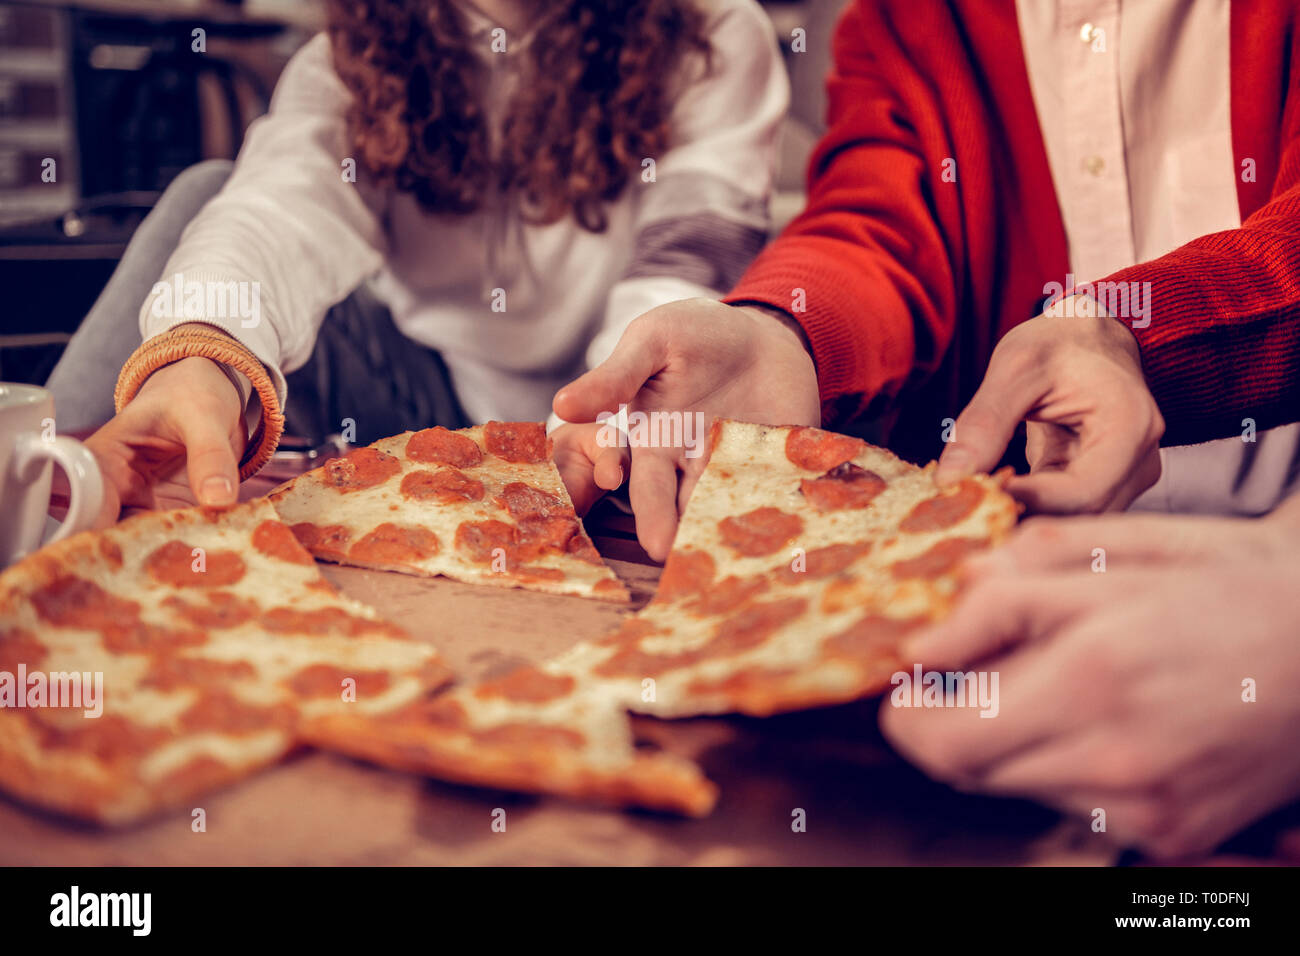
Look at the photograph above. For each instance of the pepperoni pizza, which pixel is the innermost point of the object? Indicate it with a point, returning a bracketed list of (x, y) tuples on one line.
[(210, 634), (803, 560), (484, 505)]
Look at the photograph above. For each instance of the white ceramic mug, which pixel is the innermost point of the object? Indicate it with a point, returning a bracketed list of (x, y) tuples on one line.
[(29, 448)]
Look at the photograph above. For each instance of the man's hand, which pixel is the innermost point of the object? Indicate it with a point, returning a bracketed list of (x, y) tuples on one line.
[(1093, 432), (177, 443), (694, 356), (1123, 690), (588, 468)]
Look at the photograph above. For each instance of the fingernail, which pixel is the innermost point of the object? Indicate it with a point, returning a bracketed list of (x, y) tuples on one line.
[(216, 490)]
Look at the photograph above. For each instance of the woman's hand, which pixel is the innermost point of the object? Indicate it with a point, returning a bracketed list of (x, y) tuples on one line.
[(177, 443)]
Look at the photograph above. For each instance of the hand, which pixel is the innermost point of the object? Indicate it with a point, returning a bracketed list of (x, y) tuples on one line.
[(588, 468), (694, 356), (1093, 432), (1123, 690), (177, 443)]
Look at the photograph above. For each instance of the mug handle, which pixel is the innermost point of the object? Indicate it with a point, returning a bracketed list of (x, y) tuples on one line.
[(85, 482)]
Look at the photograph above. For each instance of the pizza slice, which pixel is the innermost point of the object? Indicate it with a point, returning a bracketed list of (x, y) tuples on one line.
[(803, 561), (535, 730), (195, 642), (484, 505)]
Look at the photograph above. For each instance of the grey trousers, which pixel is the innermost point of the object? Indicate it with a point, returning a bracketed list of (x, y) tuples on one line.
[(362, 367)]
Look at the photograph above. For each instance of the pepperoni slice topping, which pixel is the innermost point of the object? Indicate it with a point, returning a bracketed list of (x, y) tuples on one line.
[(479, 539), (519, 442), (727, 595), (824, 562), (109, 738), (70, 601), (362, 468), (395, 544), (324, 680), (945, 509), (180, 565), (438, 445), (941, 558), (816, 450), (753, 625), (844, 486), (446, 486), (330, 541), (527, 685), (561, 534), (275, 540), (685, 573), (759, 532), (220, 609), (525, 501)]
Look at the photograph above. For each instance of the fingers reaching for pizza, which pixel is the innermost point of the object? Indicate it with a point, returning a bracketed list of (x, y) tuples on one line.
[(1093, 430), (177, 443), (588, 467), (696, 357), (1118, 692)]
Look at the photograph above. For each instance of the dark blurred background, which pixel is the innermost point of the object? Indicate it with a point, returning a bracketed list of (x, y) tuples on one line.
[(115, 94)]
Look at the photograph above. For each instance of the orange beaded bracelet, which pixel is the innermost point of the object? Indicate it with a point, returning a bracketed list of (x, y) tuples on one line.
[(210, 343)]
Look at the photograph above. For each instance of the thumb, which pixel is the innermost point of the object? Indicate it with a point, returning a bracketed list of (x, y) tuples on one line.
[(981, 433), (640, 354), (210, 460)]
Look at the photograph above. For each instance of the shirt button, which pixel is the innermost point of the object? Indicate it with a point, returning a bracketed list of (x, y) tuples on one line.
[(1085, 33), (1094, 165)]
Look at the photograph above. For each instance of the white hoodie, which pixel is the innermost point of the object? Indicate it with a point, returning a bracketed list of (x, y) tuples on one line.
[(289, 221)]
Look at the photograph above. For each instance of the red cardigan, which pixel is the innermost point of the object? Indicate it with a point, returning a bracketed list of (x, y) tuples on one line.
[(909, 281)]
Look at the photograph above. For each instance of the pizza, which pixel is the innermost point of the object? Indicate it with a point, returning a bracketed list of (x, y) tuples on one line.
[(484, 505), (802, 562), (211, 634)]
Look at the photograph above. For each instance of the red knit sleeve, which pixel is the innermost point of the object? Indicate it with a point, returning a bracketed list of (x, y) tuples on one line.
[(1223, 339), (865, 268)]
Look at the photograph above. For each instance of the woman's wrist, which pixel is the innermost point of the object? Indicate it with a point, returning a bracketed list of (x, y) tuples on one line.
[(198, 340)]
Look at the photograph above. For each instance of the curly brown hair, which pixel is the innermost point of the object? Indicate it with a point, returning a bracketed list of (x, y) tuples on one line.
[(592, 101)]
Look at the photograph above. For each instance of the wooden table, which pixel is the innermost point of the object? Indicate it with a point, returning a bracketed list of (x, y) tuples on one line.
[(863, 805)]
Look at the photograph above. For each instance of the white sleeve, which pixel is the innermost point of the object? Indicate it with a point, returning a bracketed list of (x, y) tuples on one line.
[(287, 237), (705, 214)]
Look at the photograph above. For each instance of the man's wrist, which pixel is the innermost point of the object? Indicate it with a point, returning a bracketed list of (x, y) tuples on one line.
[(781, 316)]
